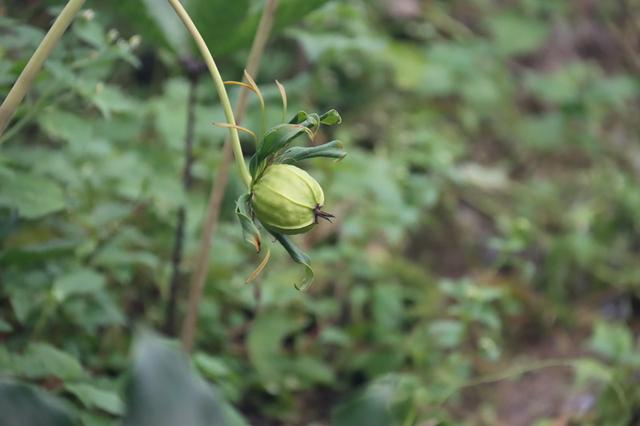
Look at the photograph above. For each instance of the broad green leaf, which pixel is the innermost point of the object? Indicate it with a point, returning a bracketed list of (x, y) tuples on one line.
[(446, 333), (218, 21), (587, 370), (33, 196), (43, 360), (612, 340), (369, 408), (90, 32), (224, 34), (62, 125), (22, 405), (80, 281), (516, 34), (264, 345), (93, 397), (164, 391), (212, 367)]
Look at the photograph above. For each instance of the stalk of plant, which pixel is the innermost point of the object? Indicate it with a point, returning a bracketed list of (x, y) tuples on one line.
[(282, 198), (216, 195), (192, 71), (219, 84), (48, 43)]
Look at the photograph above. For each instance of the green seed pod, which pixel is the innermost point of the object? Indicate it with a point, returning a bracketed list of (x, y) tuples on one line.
[(287, 200)]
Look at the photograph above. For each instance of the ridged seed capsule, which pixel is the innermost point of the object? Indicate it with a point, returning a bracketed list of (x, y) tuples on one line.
[(287, 200)]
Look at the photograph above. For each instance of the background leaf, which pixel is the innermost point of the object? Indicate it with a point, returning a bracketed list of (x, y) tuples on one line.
[(164, 391)]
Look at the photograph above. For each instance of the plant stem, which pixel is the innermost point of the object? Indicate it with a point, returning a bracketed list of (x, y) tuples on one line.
[(187, 179), (219, 83), (21, 86), (220, 182)]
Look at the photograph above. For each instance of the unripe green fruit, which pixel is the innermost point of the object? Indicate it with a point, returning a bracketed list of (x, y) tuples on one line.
[(287, 200)]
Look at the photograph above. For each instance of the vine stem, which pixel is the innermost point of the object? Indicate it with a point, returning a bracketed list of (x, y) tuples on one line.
[(519, 371), (201, 267), (48, 43), (219, 83)]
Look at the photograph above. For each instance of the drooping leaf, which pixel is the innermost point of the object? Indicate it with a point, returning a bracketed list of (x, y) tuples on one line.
[(22, 405), (250, 231), (300, 257), (164, 391), (263, 263), (294, 154)]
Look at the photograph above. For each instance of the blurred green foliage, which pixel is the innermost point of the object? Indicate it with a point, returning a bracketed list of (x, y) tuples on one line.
[(487, 211)]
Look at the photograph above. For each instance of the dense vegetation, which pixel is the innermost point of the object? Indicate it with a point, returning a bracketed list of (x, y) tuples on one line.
[(484, 265)]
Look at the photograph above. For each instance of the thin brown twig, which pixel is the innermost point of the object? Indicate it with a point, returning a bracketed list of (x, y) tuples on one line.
[(187, 179), (220, 183)]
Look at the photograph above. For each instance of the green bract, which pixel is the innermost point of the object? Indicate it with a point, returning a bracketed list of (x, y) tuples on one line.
[(286, 199)]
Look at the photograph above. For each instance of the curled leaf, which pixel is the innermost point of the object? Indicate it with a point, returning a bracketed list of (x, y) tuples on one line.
[(299, 117), (260, 267), (300, 257), (330, 118), (249, 229), (331, 149), (255, 88)]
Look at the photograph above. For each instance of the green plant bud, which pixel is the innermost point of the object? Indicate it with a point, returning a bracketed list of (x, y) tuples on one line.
[(287, 200)]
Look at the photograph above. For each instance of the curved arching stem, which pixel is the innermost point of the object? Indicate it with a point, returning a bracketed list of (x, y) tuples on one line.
[(201, 267), (219, 83), (21, 86)]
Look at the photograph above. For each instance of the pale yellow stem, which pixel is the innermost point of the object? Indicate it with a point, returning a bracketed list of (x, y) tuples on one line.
[(21, 86), (219, 83)]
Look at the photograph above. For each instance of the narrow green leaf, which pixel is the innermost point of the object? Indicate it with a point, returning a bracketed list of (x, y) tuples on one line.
[(300, 257), (278, 137), (331, 149), (250, 231), (31, 195)]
